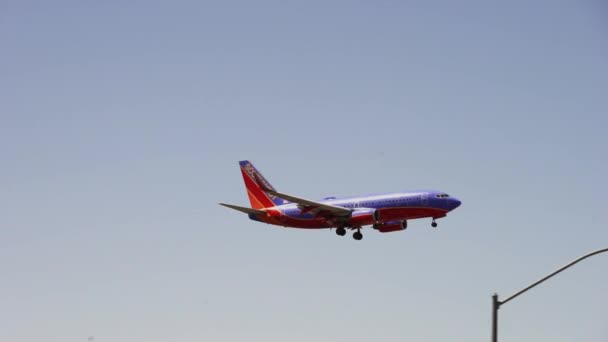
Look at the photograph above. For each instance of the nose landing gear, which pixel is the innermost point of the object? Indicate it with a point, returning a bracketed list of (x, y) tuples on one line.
[(434, 224)]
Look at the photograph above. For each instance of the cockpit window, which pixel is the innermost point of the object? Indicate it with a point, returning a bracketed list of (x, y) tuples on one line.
[(442, 195)]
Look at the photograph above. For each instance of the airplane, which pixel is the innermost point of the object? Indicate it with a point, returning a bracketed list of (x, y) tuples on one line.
[(386, 213)]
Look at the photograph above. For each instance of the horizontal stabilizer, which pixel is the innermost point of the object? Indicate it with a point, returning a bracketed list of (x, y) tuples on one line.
[(243, 209)]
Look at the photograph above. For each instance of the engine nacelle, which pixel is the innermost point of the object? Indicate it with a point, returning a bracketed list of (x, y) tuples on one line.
[(363, 217), (392, 226)]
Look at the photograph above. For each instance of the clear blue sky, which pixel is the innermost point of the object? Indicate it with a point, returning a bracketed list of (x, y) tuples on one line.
[(121, 125)]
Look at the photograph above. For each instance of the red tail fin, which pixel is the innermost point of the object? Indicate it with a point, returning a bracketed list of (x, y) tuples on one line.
[(256, 184)]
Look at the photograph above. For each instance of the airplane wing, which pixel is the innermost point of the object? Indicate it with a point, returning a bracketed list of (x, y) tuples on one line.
[(312, 206)]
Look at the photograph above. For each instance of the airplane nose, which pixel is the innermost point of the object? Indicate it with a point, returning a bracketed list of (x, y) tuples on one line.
[(455, 203)]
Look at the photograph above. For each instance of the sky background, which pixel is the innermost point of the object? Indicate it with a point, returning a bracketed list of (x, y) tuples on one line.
[(121, 124)]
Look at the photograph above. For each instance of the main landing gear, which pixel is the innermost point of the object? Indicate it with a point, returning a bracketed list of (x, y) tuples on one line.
[(341, 231), (434, 224)]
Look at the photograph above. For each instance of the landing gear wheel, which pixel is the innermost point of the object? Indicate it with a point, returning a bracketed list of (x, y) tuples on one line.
[(341, 231), (434, 224), (357, 235)]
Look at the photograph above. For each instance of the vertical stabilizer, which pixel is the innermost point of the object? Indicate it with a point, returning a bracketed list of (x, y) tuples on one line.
[(255, 184)]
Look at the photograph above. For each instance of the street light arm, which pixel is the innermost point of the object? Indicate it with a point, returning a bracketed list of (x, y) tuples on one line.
[(553, 274)]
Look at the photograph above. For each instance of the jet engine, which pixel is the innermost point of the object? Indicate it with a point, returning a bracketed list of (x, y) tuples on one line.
[(392, 226)]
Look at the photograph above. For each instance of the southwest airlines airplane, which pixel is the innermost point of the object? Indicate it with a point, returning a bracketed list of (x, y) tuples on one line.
[(384, 212)]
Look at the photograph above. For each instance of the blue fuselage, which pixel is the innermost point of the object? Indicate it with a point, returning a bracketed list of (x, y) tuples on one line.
[(407, 199)]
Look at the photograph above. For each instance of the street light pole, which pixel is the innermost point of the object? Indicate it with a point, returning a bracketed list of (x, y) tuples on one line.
[(496, 304)]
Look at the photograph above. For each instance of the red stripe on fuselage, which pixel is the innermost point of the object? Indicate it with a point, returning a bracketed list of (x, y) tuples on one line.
[(409, 213), (293, 222), (386, 215)]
